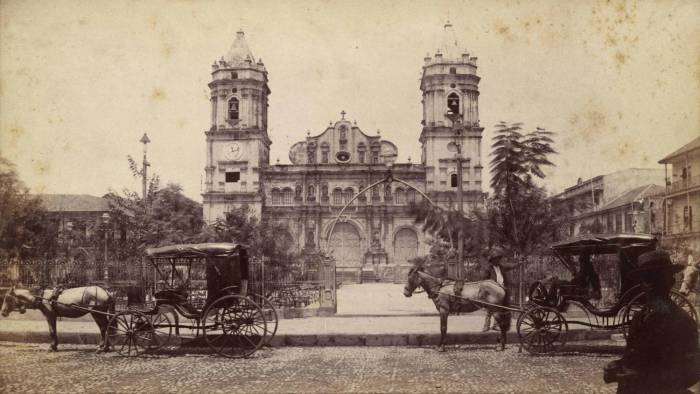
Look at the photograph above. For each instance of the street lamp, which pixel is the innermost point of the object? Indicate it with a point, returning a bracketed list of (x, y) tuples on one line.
[(105, 223), (456, 118), (144, 140)]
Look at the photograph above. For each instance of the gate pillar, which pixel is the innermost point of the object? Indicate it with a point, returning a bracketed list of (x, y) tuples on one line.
[(329, 300)]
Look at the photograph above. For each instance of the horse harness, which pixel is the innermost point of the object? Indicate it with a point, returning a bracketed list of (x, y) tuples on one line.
[(434, 291)]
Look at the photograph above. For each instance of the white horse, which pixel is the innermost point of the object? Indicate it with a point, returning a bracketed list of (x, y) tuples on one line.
[(91, 299)]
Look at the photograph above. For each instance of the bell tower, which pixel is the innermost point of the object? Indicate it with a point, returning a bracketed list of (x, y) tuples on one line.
[(451, 135), (237, 142)]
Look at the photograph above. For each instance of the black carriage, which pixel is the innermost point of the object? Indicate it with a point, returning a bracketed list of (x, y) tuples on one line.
[(542, 326), (207, 286)]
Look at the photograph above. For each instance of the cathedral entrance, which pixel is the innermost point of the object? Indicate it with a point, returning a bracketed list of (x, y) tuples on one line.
[(345, 244), (405, 245)]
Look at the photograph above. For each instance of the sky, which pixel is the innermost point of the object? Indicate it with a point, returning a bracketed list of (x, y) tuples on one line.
[(81, 81)]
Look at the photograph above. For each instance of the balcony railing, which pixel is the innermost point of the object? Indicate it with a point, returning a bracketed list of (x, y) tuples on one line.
[(684, 184)]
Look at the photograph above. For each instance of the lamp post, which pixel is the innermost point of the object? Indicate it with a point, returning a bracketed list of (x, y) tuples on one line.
[(456, 118), (105, 223), (144, 140)]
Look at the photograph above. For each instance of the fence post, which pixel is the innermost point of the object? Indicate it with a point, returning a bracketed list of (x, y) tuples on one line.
[(520, 284)]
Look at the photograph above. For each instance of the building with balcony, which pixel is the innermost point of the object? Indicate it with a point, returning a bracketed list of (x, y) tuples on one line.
[(682, 198), (625, 201)]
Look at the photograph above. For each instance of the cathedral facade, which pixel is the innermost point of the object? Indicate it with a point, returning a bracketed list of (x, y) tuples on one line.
[(376, 234)]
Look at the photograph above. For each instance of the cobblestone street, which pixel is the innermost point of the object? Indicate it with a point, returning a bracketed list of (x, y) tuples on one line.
[(465, 369)]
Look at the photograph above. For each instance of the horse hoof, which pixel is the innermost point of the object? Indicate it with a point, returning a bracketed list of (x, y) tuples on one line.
[(53, 349), (441, 349)]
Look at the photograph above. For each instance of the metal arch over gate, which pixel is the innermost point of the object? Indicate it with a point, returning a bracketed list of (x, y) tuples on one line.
[(329, 298), (388, 179)]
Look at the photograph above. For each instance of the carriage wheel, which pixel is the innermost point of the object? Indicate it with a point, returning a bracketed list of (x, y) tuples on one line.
[(685, 304), (634, 306), (162, 330), (234, 326), (542, 330), (270, 315), (130, 333), (637, 303)]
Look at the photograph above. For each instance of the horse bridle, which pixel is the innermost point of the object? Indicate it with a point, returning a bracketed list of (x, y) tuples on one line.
[(434, 290)]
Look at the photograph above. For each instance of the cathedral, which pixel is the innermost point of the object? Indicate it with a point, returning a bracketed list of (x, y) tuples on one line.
[(376, 235)]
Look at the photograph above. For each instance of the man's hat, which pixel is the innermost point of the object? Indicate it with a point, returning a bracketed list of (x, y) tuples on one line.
[(655, 261), (496, 253)]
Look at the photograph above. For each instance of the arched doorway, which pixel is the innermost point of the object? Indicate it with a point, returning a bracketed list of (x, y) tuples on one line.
[(405, 245), (345, 244)]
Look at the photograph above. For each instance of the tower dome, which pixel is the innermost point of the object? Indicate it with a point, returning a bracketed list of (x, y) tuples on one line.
[(239, 51)]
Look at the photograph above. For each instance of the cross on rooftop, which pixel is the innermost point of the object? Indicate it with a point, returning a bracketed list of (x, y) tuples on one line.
[(342, 113)]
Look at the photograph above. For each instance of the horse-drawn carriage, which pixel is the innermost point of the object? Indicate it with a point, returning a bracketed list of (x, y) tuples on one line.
[(223, 315), (231, 321), (542, 326)]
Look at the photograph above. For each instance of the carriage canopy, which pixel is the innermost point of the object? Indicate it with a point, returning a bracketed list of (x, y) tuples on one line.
[(183, 266), (603, 243), (623, 248), (220, 249)]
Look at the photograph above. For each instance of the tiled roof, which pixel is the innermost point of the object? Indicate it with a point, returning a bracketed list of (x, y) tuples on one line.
[(635, 194), (73, 203), (690, 146)]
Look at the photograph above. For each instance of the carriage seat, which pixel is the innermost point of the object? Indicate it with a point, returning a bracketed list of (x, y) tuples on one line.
[(171, 296)]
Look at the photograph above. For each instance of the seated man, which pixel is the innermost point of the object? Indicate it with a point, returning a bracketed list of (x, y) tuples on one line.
[(662, 354), (586, 283)]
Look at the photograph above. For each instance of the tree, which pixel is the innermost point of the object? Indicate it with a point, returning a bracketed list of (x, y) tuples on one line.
[(519, 215), (25, 230), (444, 225), (168, 217), (267, 238)]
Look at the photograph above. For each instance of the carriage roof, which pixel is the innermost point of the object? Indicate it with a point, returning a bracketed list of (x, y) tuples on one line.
[(603, 243), (219, 249), (629, 245), (218, 274)]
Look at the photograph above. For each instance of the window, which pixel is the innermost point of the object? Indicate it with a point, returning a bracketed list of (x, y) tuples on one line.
[(324, 157), (234, 75), (287, 194), (454, 182), (347, 196), (311, 156), (276, 195), (233, 109), (337, 196), (400, 196), (453, 70), (412, 195), (361, 156), (687, 218), (232, 176), (453, 103), (375, 157)]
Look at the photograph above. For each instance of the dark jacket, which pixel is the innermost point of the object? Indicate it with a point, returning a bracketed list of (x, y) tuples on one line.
[(661, 353)]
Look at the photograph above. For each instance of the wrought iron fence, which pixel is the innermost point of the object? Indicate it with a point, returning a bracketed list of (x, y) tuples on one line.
[(286, 286)]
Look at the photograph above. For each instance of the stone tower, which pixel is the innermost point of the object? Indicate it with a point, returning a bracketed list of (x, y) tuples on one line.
[(237, 145), (451, 133)]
